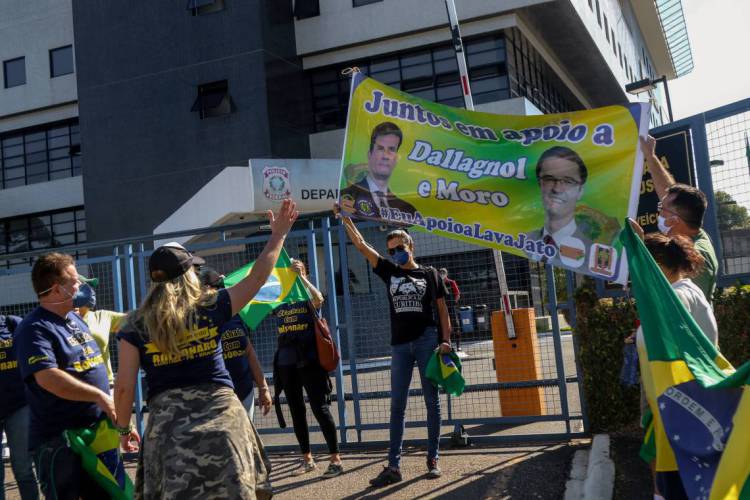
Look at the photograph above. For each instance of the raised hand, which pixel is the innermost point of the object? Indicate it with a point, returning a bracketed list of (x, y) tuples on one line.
[(648, 146), (636, 227), (282, 221)]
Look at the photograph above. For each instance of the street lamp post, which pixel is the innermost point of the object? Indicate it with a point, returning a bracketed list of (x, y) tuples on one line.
[(648, 84)]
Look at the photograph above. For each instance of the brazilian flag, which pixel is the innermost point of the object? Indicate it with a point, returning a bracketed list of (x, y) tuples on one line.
[(444, 370), (700, 404), (282, 286), (99, 449)]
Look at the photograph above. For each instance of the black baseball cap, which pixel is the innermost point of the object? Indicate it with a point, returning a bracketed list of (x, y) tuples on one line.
[(171, 261)]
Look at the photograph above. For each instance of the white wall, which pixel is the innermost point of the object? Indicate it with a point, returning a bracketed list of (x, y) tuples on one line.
[(340, 24), (30, 28), (42, 197)]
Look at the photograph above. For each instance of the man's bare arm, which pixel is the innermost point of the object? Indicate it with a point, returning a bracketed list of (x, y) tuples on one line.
[(65, 386), (662, 178)]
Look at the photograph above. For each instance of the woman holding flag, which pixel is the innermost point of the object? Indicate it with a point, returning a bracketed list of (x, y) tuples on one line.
[(415, 295), (197, 442), (295, 365), (679, 261)]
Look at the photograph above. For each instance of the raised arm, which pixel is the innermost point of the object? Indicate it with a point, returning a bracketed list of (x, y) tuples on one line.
[(662, 179), (357, 239), (281, 223), (315, 296)]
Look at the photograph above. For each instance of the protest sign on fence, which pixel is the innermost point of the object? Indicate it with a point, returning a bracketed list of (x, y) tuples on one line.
[(553, 188)]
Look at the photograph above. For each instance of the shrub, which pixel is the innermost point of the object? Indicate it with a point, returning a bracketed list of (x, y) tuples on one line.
[(601, 327), (732, 310)]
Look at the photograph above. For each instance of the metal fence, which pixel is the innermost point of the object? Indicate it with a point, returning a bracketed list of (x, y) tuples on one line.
[(356, 306), (721, 148)]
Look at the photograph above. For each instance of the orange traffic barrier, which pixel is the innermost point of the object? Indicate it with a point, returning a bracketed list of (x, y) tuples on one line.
[(518, 360)]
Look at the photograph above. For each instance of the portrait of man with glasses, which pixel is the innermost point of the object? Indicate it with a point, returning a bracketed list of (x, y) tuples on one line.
[(561, 175)]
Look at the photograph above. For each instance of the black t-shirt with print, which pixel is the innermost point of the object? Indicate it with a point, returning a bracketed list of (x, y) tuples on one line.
[(411, 294)]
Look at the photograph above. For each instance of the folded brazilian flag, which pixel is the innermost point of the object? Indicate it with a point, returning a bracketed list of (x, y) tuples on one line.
[(444, 370), (282, 286), (700, 403), (99, 449)]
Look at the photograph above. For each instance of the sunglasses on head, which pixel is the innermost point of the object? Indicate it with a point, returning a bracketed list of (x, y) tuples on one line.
[(399, 248)]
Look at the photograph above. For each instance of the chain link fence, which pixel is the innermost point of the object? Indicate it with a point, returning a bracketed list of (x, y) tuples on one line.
[(728, 140), (357, 309)]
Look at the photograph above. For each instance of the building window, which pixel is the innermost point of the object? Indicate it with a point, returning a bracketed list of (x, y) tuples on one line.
[(213, 100), (306, 8), (61, 61), (619, 53), (591, 4), (202, 7), (598, 14), (40, 154), (38, 231), (614, 43), (430, 73), (360, 3), (14, 72), (531, 77), (606, 27)]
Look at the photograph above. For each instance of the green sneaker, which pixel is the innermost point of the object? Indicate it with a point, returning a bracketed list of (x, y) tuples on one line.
[(305, 467), (333, 470)]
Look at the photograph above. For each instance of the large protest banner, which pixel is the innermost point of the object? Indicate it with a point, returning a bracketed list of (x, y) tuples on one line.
[(553, 188)]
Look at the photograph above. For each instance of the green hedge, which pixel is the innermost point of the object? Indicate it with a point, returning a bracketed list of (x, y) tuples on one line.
[(732, 310), (601, 327)]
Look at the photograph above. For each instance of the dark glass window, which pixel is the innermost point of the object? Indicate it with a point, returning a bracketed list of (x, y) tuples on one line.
[(213, 100), (61, 61), (606, 27), (202, 7), (40, 154), (531, 77), (360, 3), (14, 72), (43, 230), (598, 14), (306, 8), (430, 73)]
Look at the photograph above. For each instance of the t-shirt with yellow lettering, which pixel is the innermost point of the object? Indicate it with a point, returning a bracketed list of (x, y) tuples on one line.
[(46, 340), (200, 360)]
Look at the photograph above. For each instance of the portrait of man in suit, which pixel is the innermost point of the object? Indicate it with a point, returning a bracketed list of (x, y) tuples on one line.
[(561, 176), (367, 197)]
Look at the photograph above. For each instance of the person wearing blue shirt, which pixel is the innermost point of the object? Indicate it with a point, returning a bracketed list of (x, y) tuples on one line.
[(14, 414), (65, 377), (198, 441), (239, 354)]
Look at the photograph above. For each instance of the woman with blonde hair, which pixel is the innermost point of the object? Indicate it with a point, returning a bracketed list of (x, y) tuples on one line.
[(198, 440)]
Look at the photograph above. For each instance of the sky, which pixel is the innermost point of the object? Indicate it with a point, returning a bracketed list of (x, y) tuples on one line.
[(719, 32)]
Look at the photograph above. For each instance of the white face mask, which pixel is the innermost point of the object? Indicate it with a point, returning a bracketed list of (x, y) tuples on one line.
[(661, 222)]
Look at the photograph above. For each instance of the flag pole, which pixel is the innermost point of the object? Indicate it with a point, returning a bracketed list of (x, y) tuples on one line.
[(463, 73)]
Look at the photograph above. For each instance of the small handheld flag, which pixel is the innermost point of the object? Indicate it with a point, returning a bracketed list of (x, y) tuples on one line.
[(99, 449), (444, 370)]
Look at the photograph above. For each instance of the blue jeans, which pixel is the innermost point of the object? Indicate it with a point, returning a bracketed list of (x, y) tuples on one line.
[(16, 427), (402, 365)]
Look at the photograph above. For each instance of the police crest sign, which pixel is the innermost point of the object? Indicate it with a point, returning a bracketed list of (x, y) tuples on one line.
[(276, 185)]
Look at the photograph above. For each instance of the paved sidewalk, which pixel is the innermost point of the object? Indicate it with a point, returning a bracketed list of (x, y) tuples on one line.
[(535, 471), (508, 472)]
